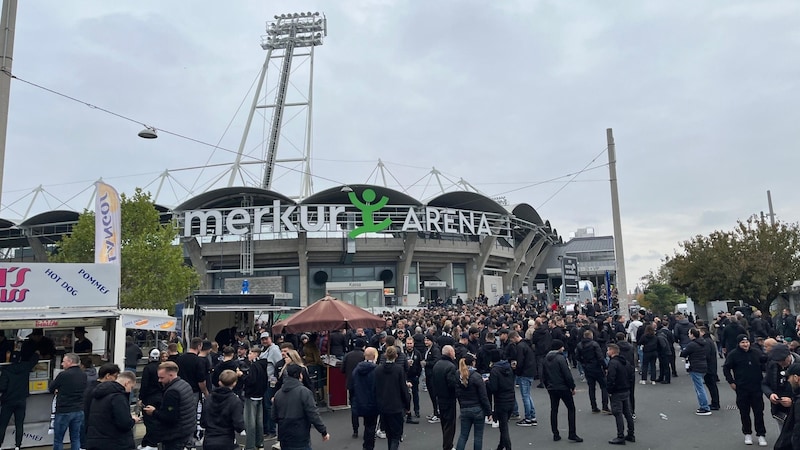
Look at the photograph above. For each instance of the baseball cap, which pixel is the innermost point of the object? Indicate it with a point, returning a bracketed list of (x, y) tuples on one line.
[(264, 335), (464, 335), (779, 352), (793, 369), (155, 355)]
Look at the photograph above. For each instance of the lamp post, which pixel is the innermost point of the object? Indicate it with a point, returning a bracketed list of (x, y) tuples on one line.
[(618, 253), (7, 24)]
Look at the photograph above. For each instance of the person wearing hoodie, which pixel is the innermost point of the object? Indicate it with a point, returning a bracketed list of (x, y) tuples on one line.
[(620, 380), (223, 415), (681, 330), (649, 344), (560, 385), (392, 396), (474, 402), (501, 387), (110, 420), (14, 392), (627, 351), (445, 382), (295, 411), (150, 393), (591, 358), (696, 355), (742, 370), (362, 396), (108, 372)]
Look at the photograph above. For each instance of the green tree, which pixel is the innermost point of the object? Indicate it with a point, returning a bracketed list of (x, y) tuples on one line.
[(153, 271), (755, 262), (661, 298)]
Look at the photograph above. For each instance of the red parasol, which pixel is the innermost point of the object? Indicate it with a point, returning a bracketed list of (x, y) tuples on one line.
[(328, 314)]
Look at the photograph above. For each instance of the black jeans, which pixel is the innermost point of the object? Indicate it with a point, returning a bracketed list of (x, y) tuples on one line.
[(664, 369), (432, 392), (415, 393), (502, 412), (600, 379), (18, 410), (370, 422), (447, 415), (621, 409), (393, 424), (569, 402), (745, 401), (710, 381)]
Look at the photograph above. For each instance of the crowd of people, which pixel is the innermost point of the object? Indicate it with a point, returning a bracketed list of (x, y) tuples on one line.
[(471, 359)]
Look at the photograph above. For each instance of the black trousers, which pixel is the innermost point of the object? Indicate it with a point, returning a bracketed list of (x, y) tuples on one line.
[(555, 398), (710, 381), (415, 394), (18, 410), (539, 367), (501, 414), (593, 378), (664, 371), (370, 422), (621, 409), (447, 415), (747, 401), (633, 397), (432, 392), (393, 425)]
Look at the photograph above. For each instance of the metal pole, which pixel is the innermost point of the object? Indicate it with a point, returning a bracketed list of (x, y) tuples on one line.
[(771, 211), (7, 22), (622, 287)]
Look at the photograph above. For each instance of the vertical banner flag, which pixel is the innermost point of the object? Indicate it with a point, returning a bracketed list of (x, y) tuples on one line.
[(107, 228)]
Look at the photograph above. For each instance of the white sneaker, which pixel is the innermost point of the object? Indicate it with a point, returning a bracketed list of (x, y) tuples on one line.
[(748, 439), (762, 441), (643, 382), (495, 424), (487, 421), (380, 434)]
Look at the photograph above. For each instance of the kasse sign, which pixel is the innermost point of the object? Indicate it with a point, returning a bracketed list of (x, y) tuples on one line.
[(362, 216)]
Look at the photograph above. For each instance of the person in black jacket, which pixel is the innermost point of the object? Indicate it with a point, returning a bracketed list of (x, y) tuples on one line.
[(413, 371), (649, 343), (392, 396), (362, 389), (295, 411), (742, 370), (351, 360), (445, 381), (255, 385), (561, 387), (666, 352), (620, 379), (14, 392), (696, 352), (591, 358), (150, 392), (473, 400), (525, 369), (178, 411), (626, 350), (108, 372), (222, 415), (501, 387), (70, 386), (110, 420), (429, 358), (710, 378)]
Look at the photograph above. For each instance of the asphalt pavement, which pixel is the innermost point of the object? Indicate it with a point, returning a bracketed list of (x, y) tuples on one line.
[(665, 420)]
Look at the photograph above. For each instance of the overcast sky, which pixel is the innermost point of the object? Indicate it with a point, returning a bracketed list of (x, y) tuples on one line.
[(702, 96)]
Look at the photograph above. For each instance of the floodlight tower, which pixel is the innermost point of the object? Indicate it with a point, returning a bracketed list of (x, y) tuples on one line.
[(288, 36)]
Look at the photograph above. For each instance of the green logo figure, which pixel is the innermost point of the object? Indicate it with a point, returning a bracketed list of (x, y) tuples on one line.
[(367, 208)]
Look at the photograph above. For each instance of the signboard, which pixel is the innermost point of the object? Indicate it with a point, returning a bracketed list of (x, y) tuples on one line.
[(143, 322), (353, 285), (362, 215), (388, 291), (569, 275), (435, 284), (36, 285)]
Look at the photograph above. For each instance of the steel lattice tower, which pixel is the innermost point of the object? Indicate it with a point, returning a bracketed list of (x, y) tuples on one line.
[(289, 37)]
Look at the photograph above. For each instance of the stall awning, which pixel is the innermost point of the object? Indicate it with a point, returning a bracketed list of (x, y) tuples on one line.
[(147, 319), (248, 308)]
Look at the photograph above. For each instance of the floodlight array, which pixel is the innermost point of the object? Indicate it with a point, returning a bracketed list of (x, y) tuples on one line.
[(304, 29)]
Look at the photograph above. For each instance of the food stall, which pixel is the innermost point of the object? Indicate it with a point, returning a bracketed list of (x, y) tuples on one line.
[(206, 314), (51, 300), (327, 314)]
